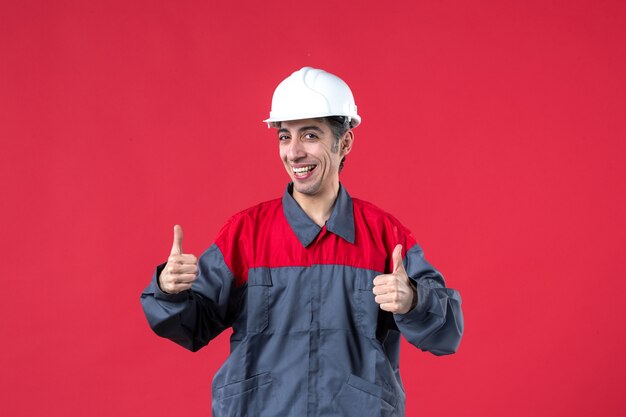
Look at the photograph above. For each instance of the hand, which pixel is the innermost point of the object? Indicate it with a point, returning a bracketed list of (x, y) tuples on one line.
[(181, 270), (394, 292)]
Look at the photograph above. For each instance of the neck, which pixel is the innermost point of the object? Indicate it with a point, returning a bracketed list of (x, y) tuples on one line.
[(319, 206)]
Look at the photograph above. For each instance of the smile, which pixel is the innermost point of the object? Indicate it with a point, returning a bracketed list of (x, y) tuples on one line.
[(303, 171)]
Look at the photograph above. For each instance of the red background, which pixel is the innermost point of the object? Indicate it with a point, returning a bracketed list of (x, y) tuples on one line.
[(494, 130)]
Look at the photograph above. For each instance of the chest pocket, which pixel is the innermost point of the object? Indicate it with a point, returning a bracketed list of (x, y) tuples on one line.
[(259, 283), (366, 307)]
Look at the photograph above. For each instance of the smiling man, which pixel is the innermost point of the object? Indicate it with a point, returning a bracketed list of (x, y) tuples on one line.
[(313, 155), (317, 286)]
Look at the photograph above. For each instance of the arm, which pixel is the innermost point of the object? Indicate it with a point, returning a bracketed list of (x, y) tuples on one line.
[(197, 306), (436, 322)]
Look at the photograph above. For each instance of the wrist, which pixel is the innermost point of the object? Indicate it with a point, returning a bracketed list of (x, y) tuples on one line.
[(414, 291)]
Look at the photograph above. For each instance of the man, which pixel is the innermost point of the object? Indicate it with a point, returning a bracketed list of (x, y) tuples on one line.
[(317, 286)]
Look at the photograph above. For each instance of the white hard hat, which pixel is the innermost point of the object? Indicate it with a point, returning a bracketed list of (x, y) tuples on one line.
[(310, 93)]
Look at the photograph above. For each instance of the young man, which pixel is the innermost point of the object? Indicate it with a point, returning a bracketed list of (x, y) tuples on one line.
[(317, 286)]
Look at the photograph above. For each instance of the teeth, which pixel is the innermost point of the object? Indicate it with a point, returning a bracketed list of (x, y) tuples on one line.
[(303, 169)]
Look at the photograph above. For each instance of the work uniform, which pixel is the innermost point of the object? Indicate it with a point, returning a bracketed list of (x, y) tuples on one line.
[(308, 338)]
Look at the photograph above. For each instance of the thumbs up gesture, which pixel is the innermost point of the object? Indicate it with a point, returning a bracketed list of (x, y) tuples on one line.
[(181, 270), (394, 292)]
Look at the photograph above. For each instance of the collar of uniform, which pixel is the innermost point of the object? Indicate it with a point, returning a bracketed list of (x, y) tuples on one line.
[(341, 221)]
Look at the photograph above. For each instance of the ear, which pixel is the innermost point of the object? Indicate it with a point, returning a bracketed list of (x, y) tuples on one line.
[(346, 143)]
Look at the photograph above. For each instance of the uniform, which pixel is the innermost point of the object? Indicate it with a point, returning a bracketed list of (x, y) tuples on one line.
[(308, 338)]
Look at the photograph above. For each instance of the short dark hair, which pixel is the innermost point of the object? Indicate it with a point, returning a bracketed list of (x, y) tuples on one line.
[(339, 125)]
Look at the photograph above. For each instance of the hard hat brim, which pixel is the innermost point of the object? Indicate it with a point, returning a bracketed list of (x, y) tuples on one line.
[(355, 120)]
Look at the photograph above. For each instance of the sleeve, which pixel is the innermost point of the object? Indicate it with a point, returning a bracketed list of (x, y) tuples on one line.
[(436, 322), (193, 318)]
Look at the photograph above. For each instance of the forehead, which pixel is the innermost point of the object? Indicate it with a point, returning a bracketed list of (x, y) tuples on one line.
[(295, 125)]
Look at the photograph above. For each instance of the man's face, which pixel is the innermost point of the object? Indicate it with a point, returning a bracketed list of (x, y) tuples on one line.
[(311, 155)]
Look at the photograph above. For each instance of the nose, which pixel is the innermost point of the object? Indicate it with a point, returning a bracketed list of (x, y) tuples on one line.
[(296, 150)]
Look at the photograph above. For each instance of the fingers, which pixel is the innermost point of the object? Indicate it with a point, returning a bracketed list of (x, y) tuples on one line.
[(180, 283), (178, 277), (174, 268), (182, 259), (381, 281), (385, 289), (392, 292), (394, 299), (177, 246), (181, 269), (184, 279)]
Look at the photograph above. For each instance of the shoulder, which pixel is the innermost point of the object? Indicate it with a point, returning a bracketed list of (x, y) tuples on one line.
[(237, 238), (377, 221), (257, 212), (371, 212), (247, 220)]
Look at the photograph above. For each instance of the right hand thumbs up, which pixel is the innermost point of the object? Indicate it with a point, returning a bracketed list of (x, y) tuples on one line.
[(181, 270)]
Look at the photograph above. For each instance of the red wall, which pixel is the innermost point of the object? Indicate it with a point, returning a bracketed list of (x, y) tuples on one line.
[(494, 130)]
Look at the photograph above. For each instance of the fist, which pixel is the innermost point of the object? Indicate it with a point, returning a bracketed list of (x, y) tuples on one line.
[(181, 269), (394, 292)]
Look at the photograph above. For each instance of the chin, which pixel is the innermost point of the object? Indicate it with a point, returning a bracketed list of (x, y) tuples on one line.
[(306, 190)]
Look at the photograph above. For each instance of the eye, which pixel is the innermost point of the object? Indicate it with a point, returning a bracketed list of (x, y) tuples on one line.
[(282, 138), (310, 136)]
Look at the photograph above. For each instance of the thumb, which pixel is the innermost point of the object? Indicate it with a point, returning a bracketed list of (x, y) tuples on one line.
[(398, 266), (177, 246)]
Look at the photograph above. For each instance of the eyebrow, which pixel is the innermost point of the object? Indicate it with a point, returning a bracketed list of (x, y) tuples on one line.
[(302, 129)]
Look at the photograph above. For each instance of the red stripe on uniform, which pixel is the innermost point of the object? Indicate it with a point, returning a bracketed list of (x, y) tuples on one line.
[(261, 237)]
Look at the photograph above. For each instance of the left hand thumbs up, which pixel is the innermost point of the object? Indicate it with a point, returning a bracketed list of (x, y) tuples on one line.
[(394, 292)]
